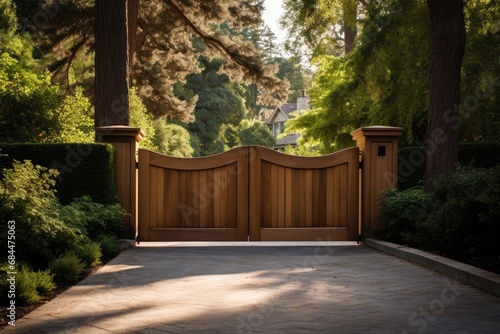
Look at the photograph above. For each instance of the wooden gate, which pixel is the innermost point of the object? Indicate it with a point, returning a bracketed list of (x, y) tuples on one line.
[(248, 193), (296, 198)]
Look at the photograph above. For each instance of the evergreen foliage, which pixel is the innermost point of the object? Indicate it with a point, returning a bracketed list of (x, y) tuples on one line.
[(160, 46)]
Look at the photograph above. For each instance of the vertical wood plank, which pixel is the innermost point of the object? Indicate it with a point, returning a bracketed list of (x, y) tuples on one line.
[(224, 187), (202, 199), (187, 186), (210, 198), (343, 195), (316, 198), (330, 189), (296, 198), (232, 196), (266, 194), (193, 198), (288, 197), (180, 210), (143, 222), (336, 197), (308, 197), (168, 198), (153, 190), (280, 196), (217, 198), (161, 197), (274, 196), (255, 193)]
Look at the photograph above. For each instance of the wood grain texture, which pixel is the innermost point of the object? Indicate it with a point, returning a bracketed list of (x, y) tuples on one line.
[(249, 192)]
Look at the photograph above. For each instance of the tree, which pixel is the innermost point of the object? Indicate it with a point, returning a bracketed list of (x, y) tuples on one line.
[(172, 139), (160, 48), (291, 70), (254, 132), (374, 85), (447, 50), (219, 104), (325, 26), (112, 62), (31, 108)]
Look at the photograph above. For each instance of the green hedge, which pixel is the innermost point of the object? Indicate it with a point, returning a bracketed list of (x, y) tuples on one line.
[(85, 169), (411, 160)]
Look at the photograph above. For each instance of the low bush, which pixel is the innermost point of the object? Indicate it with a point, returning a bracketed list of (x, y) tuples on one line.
[(90, 253), (29, 285), (93, 218), (67, 267), (459, 216), (464, 216), (27, 196), (406, 211), (109, 244)]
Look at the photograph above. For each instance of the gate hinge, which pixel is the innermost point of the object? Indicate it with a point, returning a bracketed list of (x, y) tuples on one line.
[(361, 165), (136, 165)]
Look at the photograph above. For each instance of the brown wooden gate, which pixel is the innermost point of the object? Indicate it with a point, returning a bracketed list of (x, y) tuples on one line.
[(248, 193)]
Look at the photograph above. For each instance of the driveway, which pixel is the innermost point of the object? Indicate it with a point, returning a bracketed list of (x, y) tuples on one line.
[(264, 288)]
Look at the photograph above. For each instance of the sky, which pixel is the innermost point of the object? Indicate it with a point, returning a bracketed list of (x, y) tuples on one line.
[(272, 14)]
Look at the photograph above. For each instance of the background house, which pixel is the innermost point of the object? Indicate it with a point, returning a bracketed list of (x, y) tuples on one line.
[(276, 119)]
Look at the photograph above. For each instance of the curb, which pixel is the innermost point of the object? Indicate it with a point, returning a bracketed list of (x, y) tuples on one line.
[(479, 278)]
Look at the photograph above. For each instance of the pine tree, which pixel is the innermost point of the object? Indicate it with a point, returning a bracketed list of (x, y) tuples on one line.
[(160, 48)]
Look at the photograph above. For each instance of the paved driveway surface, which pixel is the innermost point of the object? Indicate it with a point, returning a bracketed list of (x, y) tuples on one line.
[(276, 288)]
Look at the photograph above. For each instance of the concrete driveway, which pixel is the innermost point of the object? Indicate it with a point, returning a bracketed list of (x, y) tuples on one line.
[(264, 288)]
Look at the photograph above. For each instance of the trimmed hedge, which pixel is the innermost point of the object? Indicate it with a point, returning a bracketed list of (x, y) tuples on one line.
[(411, 160), (85, 169)]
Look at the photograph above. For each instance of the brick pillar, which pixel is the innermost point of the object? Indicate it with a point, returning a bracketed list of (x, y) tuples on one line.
[(379, 149), (125, 140)]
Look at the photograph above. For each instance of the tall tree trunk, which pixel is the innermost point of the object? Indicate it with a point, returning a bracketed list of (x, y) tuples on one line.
[(447, 50), (349, 37), (132, 16), (111, 63), (350, 10)]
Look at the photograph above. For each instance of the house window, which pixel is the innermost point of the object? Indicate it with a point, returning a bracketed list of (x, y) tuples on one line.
[(278, 128)]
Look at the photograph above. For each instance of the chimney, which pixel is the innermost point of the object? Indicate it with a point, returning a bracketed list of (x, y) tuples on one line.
[(303, 101)]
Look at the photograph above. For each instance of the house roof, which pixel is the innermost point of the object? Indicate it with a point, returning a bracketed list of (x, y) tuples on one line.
[(286, 109), (290, 139)]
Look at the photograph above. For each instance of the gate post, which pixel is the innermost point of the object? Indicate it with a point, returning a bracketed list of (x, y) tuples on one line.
[(125, 140), (379, 149)]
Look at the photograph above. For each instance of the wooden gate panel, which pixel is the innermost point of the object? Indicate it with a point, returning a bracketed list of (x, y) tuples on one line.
[(198, 199), (296, 198)]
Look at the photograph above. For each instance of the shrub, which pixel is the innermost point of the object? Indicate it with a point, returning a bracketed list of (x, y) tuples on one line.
[(67, 267), (94, 218), (84, 169), (26, 195), (44, 281), (406, 210), (90, 253), (459, 216), (465, 215), (109, 244), (29, 285)]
